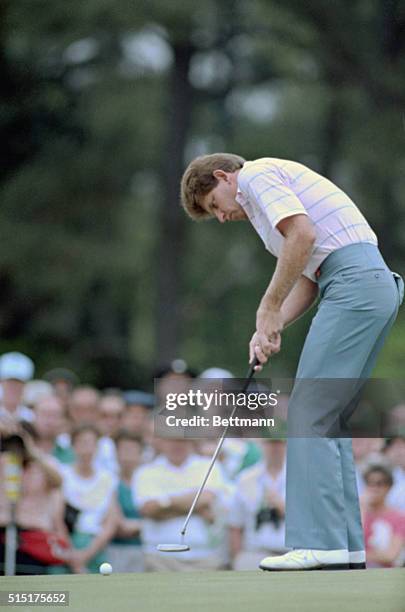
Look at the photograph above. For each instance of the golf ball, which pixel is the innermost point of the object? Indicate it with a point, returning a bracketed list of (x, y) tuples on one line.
[(105, 569)]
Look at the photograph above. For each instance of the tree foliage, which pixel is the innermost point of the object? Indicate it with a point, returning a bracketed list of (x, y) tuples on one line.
[(102, 105)]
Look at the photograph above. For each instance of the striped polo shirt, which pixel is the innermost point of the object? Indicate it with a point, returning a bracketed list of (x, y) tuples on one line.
[(270, 190)]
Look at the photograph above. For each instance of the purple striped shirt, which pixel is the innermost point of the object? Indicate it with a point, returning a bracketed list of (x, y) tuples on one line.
[(271, 189)]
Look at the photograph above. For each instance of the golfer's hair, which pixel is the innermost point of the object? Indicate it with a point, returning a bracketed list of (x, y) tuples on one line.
[(380, 468), (198, 180)]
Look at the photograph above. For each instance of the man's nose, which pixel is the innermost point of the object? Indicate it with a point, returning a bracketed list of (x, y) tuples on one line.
[(221, 216)]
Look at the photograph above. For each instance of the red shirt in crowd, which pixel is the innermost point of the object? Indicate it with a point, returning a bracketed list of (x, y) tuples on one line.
[(379, 528)]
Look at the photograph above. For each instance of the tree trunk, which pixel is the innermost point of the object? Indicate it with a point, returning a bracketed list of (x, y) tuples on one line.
[(172, 220), (332, 132)]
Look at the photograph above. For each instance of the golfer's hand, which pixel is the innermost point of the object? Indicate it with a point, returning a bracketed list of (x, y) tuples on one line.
[(266, 340)]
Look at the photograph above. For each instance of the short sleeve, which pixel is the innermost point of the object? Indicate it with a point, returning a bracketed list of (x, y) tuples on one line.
[(271, 194)]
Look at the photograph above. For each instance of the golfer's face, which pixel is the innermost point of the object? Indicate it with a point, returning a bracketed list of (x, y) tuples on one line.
[(220, 202)]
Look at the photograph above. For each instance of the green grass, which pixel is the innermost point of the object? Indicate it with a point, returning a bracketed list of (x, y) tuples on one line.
[(339, 591)]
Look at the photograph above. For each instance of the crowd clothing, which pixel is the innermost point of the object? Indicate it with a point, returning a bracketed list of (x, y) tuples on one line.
[(263, 529), (163, 478), (379, 528), (126, 554)]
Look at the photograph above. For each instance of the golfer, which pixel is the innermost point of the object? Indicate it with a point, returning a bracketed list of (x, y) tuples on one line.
[(324, 246)]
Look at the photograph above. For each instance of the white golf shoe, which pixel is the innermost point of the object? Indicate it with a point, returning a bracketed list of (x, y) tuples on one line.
[(306, 559), (357, 559)]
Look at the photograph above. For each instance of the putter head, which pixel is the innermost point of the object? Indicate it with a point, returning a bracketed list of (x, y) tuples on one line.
[(173, 547)]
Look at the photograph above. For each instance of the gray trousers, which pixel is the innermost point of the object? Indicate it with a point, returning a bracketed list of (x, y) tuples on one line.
[(359, 303)]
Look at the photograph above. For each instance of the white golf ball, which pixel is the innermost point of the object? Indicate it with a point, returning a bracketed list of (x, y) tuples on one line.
[(105, 569)]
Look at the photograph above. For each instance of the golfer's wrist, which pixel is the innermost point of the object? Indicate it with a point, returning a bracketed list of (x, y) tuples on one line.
[(268, 306), (263, 316)]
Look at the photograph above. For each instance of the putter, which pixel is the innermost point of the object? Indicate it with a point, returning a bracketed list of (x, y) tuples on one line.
[(182, 546)]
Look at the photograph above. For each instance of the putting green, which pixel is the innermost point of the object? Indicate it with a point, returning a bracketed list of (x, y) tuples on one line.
[(341, 591)]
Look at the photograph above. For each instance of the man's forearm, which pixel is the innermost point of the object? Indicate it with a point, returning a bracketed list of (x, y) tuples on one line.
[(106, 534), (293, 258), (175, 505), (128, 528), (299, 239), (49, 467), (299, 300), (182, 503)]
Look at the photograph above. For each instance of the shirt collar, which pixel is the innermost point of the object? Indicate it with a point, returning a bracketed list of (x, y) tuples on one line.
[(240, 198)]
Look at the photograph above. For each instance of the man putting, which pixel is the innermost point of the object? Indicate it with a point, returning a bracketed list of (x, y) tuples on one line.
[(324, 246)]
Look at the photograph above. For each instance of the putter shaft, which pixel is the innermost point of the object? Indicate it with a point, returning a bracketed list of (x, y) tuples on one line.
[(218, 448)]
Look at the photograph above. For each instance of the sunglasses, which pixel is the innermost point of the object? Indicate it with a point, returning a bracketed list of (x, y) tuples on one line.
[(377, 483)]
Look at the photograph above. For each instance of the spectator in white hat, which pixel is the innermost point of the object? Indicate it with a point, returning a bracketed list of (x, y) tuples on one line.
[(16, 370)]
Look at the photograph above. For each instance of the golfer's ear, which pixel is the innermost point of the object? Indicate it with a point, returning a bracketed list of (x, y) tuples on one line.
[(219, 174)]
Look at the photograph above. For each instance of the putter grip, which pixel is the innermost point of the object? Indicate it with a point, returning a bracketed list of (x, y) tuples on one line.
[(251, 373)]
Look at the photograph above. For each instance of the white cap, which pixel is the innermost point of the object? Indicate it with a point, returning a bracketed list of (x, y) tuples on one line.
[(16, 366), (216, 373)]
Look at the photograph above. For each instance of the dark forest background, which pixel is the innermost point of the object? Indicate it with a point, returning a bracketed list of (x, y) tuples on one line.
[(104, 102)]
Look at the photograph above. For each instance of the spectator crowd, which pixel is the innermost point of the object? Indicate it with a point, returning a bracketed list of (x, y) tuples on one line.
[(96, 485)]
